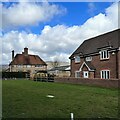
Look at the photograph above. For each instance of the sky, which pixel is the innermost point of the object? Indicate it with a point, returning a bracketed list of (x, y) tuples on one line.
[(53, 30)]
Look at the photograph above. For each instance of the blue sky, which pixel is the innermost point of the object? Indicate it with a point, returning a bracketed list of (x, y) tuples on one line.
[(43, 25), (76, 14)]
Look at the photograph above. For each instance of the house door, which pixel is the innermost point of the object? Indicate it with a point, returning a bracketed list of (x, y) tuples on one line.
[(85, 74)]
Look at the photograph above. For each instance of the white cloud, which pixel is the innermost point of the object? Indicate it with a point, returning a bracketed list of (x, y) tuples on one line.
[(27, 13), (59, 41)]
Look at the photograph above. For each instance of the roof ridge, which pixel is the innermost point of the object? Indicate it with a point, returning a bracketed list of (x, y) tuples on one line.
[(90, 45), (101, 35)]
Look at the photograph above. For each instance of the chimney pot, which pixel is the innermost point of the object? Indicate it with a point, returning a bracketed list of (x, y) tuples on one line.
[(25, 51), (12, 54)]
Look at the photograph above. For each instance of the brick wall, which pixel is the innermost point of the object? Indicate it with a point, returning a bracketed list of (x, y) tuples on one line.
[(75, 66), (109, 64), (111, 83)]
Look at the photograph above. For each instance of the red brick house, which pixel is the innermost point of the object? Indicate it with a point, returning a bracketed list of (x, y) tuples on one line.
[(98, 57), (27, 63)]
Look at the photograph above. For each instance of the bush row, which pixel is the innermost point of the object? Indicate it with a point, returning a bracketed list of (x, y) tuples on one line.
[(14, 74)]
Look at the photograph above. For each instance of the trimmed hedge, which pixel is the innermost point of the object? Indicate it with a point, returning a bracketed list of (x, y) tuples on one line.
[(15, 75)]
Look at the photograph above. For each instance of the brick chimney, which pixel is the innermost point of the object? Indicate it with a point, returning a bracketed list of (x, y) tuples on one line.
[(25, 51), (12, 54)]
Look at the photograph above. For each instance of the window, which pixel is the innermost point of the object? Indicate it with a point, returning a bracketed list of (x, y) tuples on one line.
[(77, 74), (19, 66), (77, 59), (28, 66), (88, 58), (104, 54), (105, 74), (38, 66)]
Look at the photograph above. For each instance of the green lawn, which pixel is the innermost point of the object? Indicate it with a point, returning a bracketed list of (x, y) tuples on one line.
[(27, 99)]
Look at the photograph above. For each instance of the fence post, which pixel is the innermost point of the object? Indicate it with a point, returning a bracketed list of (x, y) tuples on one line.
[(71, 116)]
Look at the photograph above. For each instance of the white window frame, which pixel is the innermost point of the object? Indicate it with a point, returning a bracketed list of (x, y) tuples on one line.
[(104, 54), (38, 66), (77, 59), (104, 74), (88, 58), (76, 74), (28, 66)]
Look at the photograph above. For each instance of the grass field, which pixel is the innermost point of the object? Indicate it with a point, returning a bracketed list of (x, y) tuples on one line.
[(27, 99)]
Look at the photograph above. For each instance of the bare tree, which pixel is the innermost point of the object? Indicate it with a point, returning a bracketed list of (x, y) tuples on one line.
[(55, 63)]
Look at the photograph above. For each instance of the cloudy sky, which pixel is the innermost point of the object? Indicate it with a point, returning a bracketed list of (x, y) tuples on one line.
[(53, 30)]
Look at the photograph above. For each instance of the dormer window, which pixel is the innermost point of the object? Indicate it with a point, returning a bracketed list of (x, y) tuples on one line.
[(88, 58), (104, 54), (77, 59)]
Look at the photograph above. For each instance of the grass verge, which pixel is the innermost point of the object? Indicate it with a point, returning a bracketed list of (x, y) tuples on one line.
[(27, 99)]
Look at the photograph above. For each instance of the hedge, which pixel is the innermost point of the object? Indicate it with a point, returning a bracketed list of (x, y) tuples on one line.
[(15, 74)]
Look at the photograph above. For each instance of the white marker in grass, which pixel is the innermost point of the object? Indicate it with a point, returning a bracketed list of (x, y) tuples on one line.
[(50, 96), (71, 116)]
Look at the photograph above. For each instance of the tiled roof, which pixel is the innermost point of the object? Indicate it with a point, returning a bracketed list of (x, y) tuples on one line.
[(21, 59), (91, 45), (61, 68), (89, 64)]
